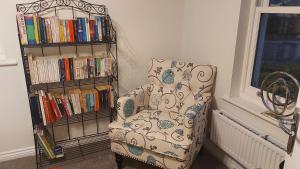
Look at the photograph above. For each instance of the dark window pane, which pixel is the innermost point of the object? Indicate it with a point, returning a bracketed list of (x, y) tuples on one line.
[(284, 2), (278, 46)]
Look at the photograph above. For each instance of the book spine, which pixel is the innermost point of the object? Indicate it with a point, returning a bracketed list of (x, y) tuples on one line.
[(84, 33), (92, 29), (30, 30), (61, 31), (54, 106), (22, 28), (75, 30), (71, 68), (62, 70), (67, 68), (43, 145), (96, 34), (42, 108), (79, 30), (71, 30), (36, 29), (87, 25)]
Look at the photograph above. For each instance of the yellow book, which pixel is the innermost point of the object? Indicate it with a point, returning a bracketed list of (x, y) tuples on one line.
[(36, 29), (61, 31)]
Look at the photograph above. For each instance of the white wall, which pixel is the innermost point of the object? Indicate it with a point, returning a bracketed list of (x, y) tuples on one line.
[(146, 29), (209, 37)]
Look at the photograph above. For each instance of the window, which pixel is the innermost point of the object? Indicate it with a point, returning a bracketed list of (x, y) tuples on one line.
[(275, 42)]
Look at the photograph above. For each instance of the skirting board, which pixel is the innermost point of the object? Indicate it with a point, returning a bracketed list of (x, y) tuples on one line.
[(18, 153), (224, 158)]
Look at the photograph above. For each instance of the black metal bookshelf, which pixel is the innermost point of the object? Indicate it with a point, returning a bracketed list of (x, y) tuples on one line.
[(87, 143)]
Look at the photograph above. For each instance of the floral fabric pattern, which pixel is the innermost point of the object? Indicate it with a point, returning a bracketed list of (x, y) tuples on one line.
[(163, 123)]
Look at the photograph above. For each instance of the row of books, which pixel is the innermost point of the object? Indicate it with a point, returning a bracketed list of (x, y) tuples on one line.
[(47, 143), (35, 30), (58, 69), (47, 108)]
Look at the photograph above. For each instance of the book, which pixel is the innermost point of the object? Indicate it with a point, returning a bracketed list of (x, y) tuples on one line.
[(67, 68), (92, 29), (36, 29), (22, 28), (42, 107), (30, 30), (54, 106), (71, 30)]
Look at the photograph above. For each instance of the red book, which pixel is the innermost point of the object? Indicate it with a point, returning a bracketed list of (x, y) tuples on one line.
[(64, 102), (48, 110), (71, 30), (67, 68), (54, 107), (92, 31)]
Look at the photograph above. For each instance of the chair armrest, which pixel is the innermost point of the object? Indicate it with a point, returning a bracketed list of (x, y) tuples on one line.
[(133, 102), (195, 119)]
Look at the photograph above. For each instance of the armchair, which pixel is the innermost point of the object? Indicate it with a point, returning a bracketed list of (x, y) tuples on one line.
[(163, 123)]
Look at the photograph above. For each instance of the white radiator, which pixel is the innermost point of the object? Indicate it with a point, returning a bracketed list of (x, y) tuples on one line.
[(243, 145)]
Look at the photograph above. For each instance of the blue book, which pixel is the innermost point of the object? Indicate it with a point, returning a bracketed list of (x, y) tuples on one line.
[(96, 34), (79, 30), (84, 33)]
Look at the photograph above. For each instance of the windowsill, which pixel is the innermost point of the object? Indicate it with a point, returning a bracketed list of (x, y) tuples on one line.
[(8, 62), (251, 106)]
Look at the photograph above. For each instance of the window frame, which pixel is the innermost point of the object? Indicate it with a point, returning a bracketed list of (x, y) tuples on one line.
[(248, 91)]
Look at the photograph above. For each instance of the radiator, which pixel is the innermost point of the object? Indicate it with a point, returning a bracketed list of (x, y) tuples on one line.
[(244, 145)]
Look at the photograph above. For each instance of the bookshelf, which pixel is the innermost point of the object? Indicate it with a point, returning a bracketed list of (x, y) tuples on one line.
[(84, 142)]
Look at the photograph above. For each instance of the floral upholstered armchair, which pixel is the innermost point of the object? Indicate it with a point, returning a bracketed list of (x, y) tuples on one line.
[(163, 123)]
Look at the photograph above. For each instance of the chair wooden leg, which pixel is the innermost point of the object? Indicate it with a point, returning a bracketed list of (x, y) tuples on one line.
[(119, 160)]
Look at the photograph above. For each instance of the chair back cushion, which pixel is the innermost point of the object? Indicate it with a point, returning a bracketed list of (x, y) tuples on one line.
[(178, 84)]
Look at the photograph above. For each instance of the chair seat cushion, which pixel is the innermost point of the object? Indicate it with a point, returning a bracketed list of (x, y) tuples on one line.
[(161, 132)]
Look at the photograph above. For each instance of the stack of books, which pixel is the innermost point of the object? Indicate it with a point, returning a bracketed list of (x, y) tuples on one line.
[(46, 142), (35, 30), (58, 69), (50, 107)]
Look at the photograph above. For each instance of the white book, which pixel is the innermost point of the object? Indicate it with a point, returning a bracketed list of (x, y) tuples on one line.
[(73, 99), (41, 94), (39, 69), (78, 103), (31, 70), (22, 28), (35, 72), (88, 36), (102, 72), (57, 70)]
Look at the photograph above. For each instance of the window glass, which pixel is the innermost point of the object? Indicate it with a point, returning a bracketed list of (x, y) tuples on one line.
[(284, 2), (278, 46)]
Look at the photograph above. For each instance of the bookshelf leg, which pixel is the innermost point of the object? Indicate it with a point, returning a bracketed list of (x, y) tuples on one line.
[(119, 160)]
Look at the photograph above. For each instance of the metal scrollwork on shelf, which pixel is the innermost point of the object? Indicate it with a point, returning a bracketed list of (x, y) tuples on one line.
[(43, 5)]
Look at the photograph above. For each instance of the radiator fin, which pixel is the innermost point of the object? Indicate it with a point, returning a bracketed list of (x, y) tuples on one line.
[(244, 145)]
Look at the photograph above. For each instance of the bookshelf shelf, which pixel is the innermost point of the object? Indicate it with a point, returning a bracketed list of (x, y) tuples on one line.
[(78, 147), (86, 141), (67, 44)]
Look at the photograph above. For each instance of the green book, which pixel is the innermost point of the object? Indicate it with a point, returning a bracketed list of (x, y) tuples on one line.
[(30, 30)]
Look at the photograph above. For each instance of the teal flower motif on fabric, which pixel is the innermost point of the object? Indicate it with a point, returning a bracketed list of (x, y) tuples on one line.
[(151, 160), (170, 153), (165, 124), (127, 125), (179, 131), (187, 75), (191, 114), (197, 108), (135, 150), (179, 86), (168, 76), (128, 108)]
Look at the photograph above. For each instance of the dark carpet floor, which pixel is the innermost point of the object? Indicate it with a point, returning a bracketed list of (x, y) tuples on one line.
[(106, 160)]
